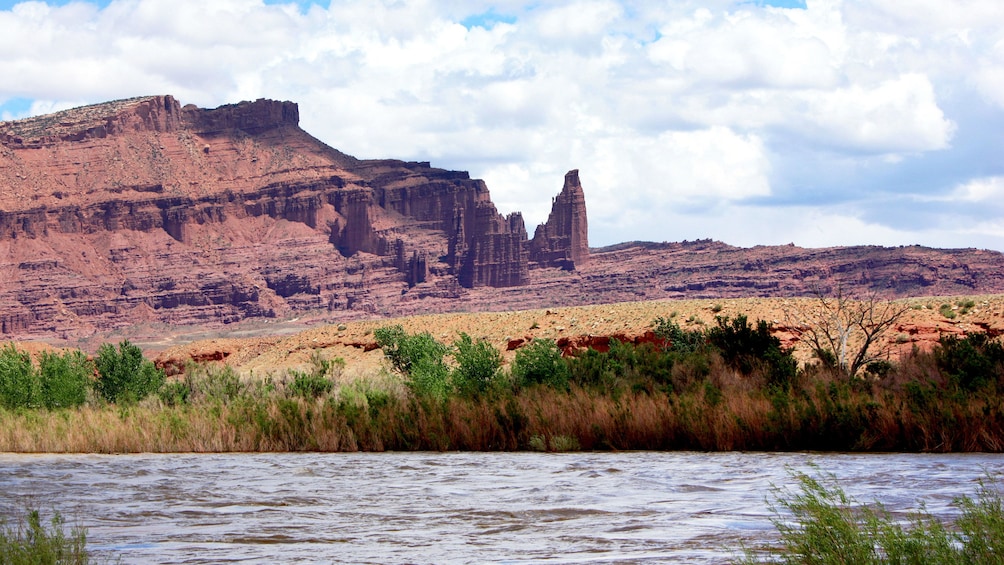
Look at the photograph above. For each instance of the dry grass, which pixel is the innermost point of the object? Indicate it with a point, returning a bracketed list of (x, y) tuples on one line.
[(921, 326)]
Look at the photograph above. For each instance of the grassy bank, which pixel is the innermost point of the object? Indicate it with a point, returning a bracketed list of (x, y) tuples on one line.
[(727, 387)]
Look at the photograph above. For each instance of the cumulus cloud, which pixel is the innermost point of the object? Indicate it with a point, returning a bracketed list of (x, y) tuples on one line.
[(686, 118)]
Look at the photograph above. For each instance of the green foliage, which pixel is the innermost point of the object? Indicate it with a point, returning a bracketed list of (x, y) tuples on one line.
[(405, 351), (64, 378), (680, 340), (946, 311), (419, 358), (539, 363), (625, 365), (309, 385), (19, 385), (124, 375), (972, 362), (32, 542), (747, 350), (822, 525), (478, 365), (175, 393)]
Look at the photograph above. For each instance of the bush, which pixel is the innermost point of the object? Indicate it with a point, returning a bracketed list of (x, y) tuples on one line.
[(419, 358), (478, 364), (821, 524), (31, 542), (64, 378), (125, 375), (19, 385), (309, 385), (540, 363), (639, 367), (680, 340), (175, 393), (972, 362), (747, 350)]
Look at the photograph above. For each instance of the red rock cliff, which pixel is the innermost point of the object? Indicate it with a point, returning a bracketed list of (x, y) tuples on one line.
[(143, 210), (563, 240)]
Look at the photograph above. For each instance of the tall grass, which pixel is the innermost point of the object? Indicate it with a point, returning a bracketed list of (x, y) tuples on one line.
[(821, 524), (734, 388), (29, 541)]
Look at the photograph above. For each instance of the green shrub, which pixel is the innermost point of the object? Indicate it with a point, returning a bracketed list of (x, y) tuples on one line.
[(680, 340), (419, 358), (309, 385), (19, 385), (125, 375), (404, 350), (31, 542), (625, 365), (216, 383), (747, 350), (175, 393), (64, 378), (972, 362), (540, 363), (478, 365), (821, 524)]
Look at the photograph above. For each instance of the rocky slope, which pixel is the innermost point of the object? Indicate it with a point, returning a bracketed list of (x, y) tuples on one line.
[(142, 213)]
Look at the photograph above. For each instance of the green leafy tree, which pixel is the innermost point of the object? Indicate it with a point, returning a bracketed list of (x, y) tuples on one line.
[(540, 363), (478, 365), (124, 375), (64, 378), (419, 358), (19, 387)]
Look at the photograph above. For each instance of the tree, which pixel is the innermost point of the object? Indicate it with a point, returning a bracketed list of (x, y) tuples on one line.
[(478, 364), (844, 331), (125, 375)]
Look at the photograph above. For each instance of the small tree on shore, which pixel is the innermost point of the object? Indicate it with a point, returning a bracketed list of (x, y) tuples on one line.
[(843, 331)]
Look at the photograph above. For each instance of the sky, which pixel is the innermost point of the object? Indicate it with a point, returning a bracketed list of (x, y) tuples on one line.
[(753, 122)]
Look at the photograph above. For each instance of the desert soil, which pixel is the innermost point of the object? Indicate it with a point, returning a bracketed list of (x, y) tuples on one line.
[(353, 341)]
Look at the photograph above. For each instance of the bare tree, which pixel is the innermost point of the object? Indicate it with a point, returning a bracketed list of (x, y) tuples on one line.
[(844, 327)]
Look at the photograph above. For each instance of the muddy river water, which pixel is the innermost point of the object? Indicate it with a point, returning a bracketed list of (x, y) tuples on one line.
[(509, 508)]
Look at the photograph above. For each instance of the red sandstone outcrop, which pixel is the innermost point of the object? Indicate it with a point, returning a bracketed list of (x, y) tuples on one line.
[(563, 240), (143, 211)]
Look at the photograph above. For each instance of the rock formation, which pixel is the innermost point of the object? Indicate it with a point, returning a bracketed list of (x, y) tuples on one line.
[(143, 210), (140, 212), (563, 240)]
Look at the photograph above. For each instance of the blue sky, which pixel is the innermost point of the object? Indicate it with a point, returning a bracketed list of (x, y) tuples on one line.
[(817, 122)]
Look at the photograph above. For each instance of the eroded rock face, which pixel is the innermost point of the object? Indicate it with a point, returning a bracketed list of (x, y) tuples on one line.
[(143, 210), (563, 241)]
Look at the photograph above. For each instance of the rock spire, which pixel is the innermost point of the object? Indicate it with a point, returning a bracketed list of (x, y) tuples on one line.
[(563, 240)]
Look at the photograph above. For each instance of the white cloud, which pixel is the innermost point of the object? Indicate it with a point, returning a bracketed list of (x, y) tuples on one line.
[(989, 190), (679, 114)]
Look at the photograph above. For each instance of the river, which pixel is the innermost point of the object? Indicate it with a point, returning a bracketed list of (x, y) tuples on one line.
[(507, 508)]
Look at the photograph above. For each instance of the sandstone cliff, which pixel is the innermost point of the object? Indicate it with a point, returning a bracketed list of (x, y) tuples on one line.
[(563, 240), (141, 212)]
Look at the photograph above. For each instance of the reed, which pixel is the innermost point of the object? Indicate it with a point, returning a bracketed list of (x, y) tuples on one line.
[(29, 540), (820, 523), (632, 397)]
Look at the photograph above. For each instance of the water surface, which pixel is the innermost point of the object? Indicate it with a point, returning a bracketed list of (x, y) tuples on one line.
[(509, 508)]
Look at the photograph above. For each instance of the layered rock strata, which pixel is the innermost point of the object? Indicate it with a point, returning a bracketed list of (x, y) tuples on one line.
[(143, 210), (563, 240)]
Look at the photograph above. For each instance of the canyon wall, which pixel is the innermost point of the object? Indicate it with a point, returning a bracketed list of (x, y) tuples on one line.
[(142, 212)]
